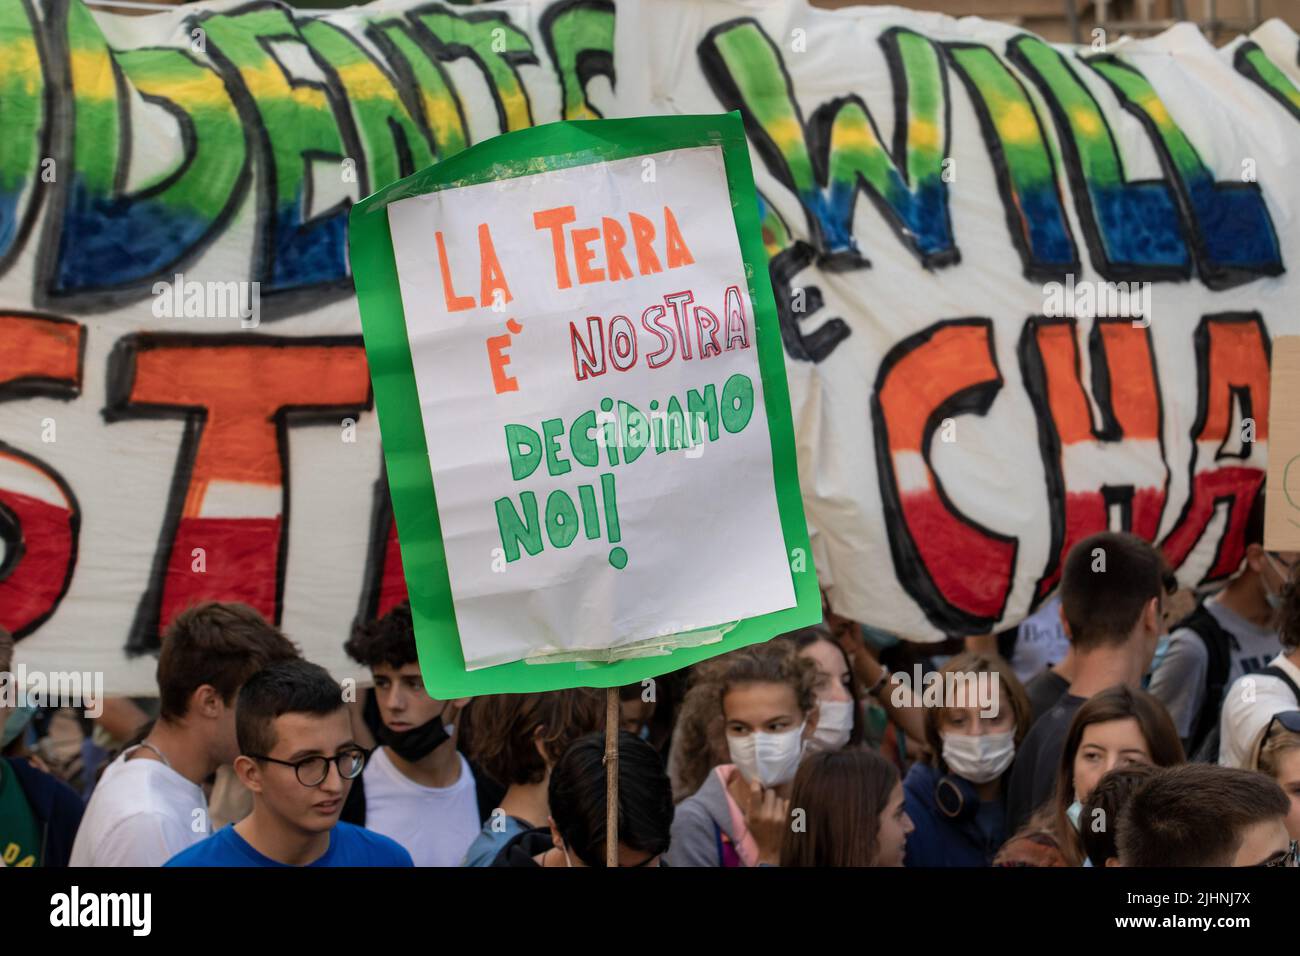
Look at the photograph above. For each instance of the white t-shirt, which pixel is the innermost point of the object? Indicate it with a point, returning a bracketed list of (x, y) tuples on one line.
[(1248, 707), (436, 825), (142, 813)]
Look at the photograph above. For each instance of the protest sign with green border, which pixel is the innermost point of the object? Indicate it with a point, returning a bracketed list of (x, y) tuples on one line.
[(532, 152)]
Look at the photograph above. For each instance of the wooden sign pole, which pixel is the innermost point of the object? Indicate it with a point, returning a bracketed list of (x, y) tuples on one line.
[(612, 721)]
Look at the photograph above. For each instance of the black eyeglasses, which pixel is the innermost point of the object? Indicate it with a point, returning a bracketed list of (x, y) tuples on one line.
[(1288, 857), (312, 771)]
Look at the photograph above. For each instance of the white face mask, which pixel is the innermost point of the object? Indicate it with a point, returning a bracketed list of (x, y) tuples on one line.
[(979, 758), (771, 759), (834, 724), (1275, 599)]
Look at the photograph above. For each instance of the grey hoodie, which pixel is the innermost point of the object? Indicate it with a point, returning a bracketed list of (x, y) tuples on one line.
[(696, 823)]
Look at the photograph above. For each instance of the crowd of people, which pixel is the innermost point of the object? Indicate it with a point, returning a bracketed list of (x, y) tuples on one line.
[(1159, 736)]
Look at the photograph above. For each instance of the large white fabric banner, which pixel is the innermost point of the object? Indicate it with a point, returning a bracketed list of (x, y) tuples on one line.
[(1027, 291)]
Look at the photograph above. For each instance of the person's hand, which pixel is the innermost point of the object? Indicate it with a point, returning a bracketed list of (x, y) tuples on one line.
[(848, 635), (767, 817), (36, 763)]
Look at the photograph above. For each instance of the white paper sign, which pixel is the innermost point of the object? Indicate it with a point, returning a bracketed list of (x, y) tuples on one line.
[(564, 326)]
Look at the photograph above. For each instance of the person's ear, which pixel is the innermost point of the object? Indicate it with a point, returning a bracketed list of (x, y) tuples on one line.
[(206, 702), (1065, 625), (1113, 861), (1255, 557), (556, 839), (249, 773), (1152, 618), (538, 733)]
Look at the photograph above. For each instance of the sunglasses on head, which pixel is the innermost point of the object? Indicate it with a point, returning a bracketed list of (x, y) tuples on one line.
[(1289, 719)]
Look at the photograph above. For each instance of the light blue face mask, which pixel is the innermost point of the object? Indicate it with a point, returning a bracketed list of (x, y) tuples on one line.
[(16, 721), (1073, 812)]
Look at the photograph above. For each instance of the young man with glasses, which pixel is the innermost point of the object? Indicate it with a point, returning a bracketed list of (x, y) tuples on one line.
[(1229, 635), (1205, 815), (298, 757)]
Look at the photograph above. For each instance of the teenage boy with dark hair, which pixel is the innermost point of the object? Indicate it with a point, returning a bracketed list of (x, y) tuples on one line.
[(39, 813), (577, 796), (298, 757), (149, 804), (1206, 815), (1229, 635), (1112, 592), (417, 788), (1099, 818)]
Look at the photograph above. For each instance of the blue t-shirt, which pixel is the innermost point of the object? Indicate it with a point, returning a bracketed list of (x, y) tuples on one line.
[(489, 842), (349, 846)]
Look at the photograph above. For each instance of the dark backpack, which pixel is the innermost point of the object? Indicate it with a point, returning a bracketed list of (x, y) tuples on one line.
[(1203, 744)]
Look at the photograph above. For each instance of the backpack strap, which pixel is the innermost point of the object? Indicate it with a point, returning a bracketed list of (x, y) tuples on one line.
[(1218, 646), (1272, 670), (488, 794)]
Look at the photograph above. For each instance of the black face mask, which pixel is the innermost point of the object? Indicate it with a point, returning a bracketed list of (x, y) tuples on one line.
[(410, 745)]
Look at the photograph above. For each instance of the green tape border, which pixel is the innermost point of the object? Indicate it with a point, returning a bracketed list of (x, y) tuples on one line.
[(410, 479)]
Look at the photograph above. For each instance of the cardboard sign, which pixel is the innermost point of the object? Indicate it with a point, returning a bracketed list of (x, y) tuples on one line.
[(579, 382), (1282, 500)]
